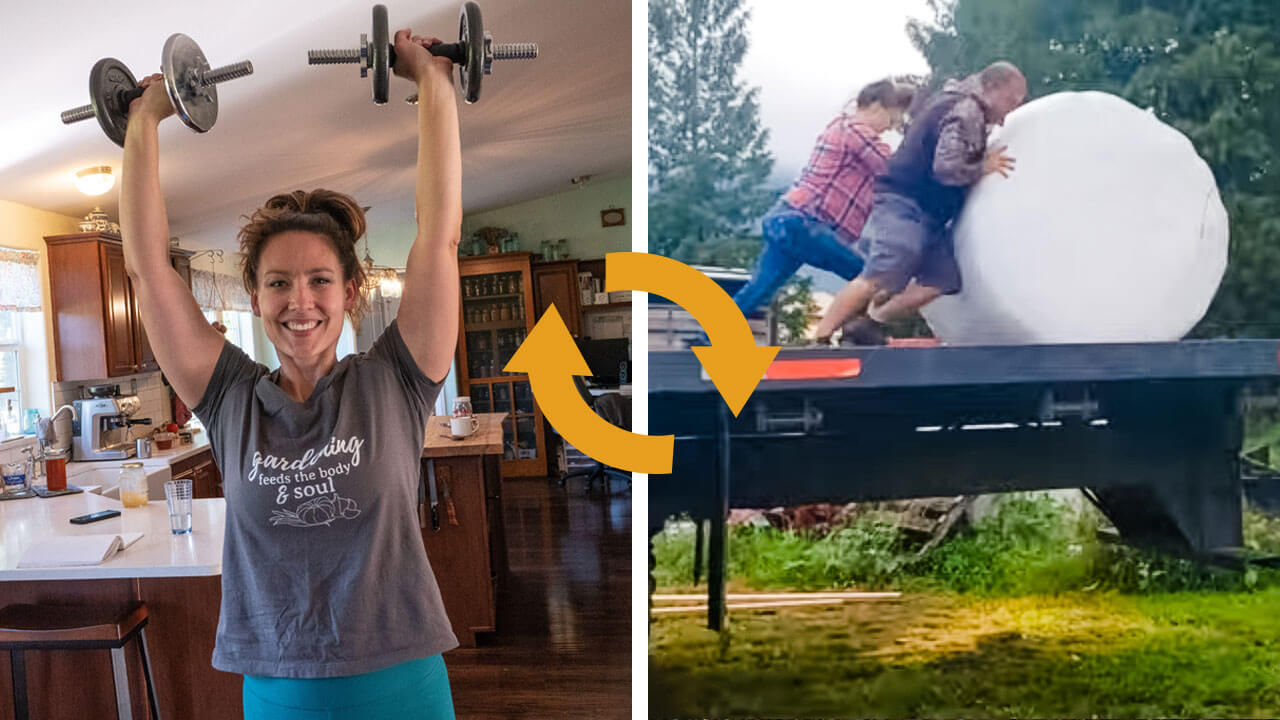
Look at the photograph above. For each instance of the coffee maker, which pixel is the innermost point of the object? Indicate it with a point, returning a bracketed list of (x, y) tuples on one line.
[(101, 429)]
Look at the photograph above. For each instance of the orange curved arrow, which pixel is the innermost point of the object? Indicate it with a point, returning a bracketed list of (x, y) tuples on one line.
[(550, 358), (733, 361)]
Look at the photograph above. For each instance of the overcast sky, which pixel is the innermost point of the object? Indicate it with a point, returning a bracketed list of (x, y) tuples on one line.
[(810, 57)]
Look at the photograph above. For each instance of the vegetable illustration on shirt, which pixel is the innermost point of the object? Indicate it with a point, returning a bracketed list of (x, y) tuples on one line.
[(321, 510)]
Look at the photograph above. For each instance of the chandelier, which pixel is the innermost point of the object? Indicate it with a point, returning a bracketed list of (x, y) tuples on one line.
[(378, 279)]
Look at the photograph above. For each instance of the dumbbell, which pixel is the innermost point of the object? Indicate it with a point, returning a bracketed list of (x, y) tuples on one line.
[(474, 53), (187, 77)]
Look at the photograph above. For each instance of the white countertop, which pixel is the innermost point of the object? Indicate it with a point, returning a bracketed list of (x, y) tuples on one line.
[(199, 444), (158, 554)]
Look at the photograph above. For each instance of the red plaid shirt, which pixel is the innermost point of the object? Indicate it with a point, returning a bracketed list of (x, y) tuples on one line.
[(835, 187)]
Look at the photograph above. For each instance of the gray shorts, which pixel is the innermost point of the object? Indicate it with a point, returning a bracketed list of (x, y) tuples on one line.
[(900, 242)]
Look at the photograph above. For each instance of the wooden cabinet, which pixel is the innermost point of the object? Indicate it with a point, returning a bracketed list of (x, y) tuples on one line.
[(465, 541), (556, 282), (206, 481), (596, 269), (497, 294), (97, 329)]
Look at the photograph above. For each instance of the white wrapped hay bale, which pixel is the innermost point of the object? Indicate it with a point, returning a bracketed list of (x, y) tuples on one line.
[(1109, 230)]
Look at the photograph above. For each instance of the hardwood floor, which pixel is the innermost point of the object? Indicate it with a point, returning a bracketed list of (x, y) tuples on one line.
[(563, 645)]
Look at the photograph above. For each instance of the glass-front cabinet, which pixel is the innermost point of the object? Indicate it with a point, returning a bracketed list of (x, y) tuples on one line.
[(497, 303)]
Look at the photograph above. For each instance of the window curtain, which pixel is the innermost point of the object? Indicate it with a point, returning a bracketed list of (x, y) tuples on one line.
[(216, 291), (19, 280)]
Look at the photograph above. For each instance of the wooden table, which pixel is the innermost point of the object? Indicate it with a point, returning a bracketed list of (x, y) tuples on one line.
[(466, 549)]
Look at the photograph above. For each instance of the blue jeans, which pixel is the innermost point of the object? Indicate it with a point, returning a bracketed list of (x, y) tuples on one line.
[(414, 690), (792, 239)]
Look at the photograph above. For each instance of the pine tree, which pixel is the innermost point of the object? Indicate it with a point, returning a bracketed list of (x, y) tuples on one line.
[(708, 156)]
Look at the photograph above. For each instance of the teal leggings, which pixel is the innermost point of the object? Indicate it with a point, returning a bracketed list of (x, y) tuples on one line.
[(415, 690)]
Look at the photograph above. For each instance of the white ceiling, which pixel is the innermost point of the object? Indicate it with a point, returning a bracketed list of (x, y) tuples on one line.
[(289, 125)]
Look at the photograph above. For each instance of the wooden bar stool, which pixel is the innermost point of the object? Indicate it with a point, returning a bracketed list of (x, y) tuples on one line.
[(76, 627)]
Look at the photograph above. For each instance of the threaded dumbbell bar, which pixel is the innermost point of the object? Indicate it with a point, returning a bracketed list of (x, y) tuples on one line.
[(189, 81), (474, 53), (213, 77)]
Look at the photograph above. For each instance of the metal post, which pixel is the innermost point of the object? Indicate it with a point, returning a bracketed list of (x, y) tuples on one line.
[(719, 529), (699, 550), (120, 672), (18, 670)]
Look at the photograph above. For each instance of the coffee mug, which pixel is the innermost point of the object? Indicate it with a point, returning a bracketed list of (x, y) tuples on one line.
[(463, 426)]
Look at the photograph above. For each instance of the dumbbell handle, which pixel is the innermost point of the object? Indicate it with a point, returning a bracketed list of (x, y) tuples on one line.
[(210, 77), (456, 52)]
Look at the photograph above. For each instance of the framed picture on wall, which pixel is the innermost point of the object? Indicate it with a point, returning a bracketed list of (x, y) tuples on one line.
[(613, 217)]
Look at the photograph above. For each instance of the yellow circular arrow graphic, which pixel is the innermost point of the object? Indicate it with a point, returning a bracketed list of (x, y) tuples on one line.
[(733, 361), (550, 358)]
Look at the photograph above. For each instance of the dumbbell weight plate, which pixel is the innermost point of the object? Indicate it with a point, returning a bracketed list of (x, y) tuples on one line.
[(109, 80), (380, 55), (183, 65), (471, 37)]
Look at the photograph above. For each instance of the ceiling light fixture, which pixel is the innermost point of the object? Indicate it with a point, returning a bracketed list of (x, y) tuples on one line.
[(95, 180), (384, 281)]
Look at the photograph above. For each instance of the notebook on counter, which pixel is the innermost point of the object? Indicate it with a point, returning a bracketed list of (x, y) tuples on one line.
[(73, 550)]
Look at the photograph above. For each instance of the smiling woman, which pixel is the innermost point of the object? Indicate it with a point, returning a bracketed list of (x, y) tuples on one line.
[(320, 457)]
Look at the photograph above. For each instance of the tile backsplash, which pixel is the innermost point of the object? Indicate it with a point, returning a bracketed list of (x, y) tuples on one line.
[(147, 386), (11, 450)]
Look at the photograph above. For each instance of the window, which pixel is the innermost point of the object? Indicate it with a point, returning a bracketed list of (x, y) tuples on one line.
[(222, 298), (10, 369), (239, 327), (19, 306)]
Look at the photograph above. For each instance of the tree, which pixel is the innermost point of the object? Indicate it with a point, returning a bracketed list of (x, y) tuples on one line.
[(1209, 69), (708, 156), (795, 309)]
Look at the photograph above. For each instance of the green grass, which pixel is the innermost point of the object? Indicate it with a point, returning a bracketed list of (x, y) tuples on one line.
[(1073, 655), (1026, 614), (1031, 544)]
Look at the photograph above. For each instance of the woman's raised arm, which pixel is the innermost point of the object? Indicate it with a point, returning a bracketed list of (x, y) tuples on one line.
[(185, 345), (428, 315)]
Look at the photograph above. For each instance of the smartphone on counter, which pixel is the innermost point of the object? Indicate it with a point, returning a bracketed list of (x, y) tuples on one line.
[(95, 517)]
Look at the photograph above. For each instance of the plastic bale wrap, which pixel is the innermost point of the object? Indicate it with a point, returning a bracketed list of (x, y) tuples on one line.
[(1109, 230)]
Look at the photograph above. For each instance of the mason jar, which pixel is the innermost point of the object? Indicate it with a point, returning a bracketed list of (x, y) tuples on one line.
[(133, 485)]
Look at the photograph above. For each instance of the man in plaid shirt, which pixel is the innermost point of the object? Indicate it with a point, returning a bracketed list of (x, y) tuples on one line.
[(818, 221)]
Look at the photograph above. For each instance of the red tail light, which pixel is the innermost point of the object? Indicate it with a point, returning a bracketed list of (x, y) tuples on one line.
[(814, 369)]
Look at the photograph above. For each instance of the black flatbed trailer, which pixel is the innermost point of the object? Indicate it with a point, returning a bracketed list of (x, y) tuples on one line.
[(1152, 431)]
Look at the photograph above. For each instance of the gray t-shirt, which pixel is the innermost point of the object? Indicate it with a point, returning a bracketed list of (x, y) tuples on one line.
[(323, 568)]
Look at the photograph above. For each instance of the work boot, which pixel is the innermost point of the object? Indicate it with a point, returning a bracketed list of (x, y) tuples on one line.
[(862, 330)]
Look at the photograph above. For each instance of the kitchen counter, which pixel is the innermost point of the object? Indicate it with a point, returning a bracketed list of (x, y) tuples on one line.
[(177, 576), (158, 554), (199, 444), (464, 535), (486, 440)]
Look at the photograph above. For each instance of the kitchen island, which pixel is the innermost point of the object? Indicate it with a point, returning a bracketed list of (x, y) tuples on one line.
[(177, 576), (463, 535)]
